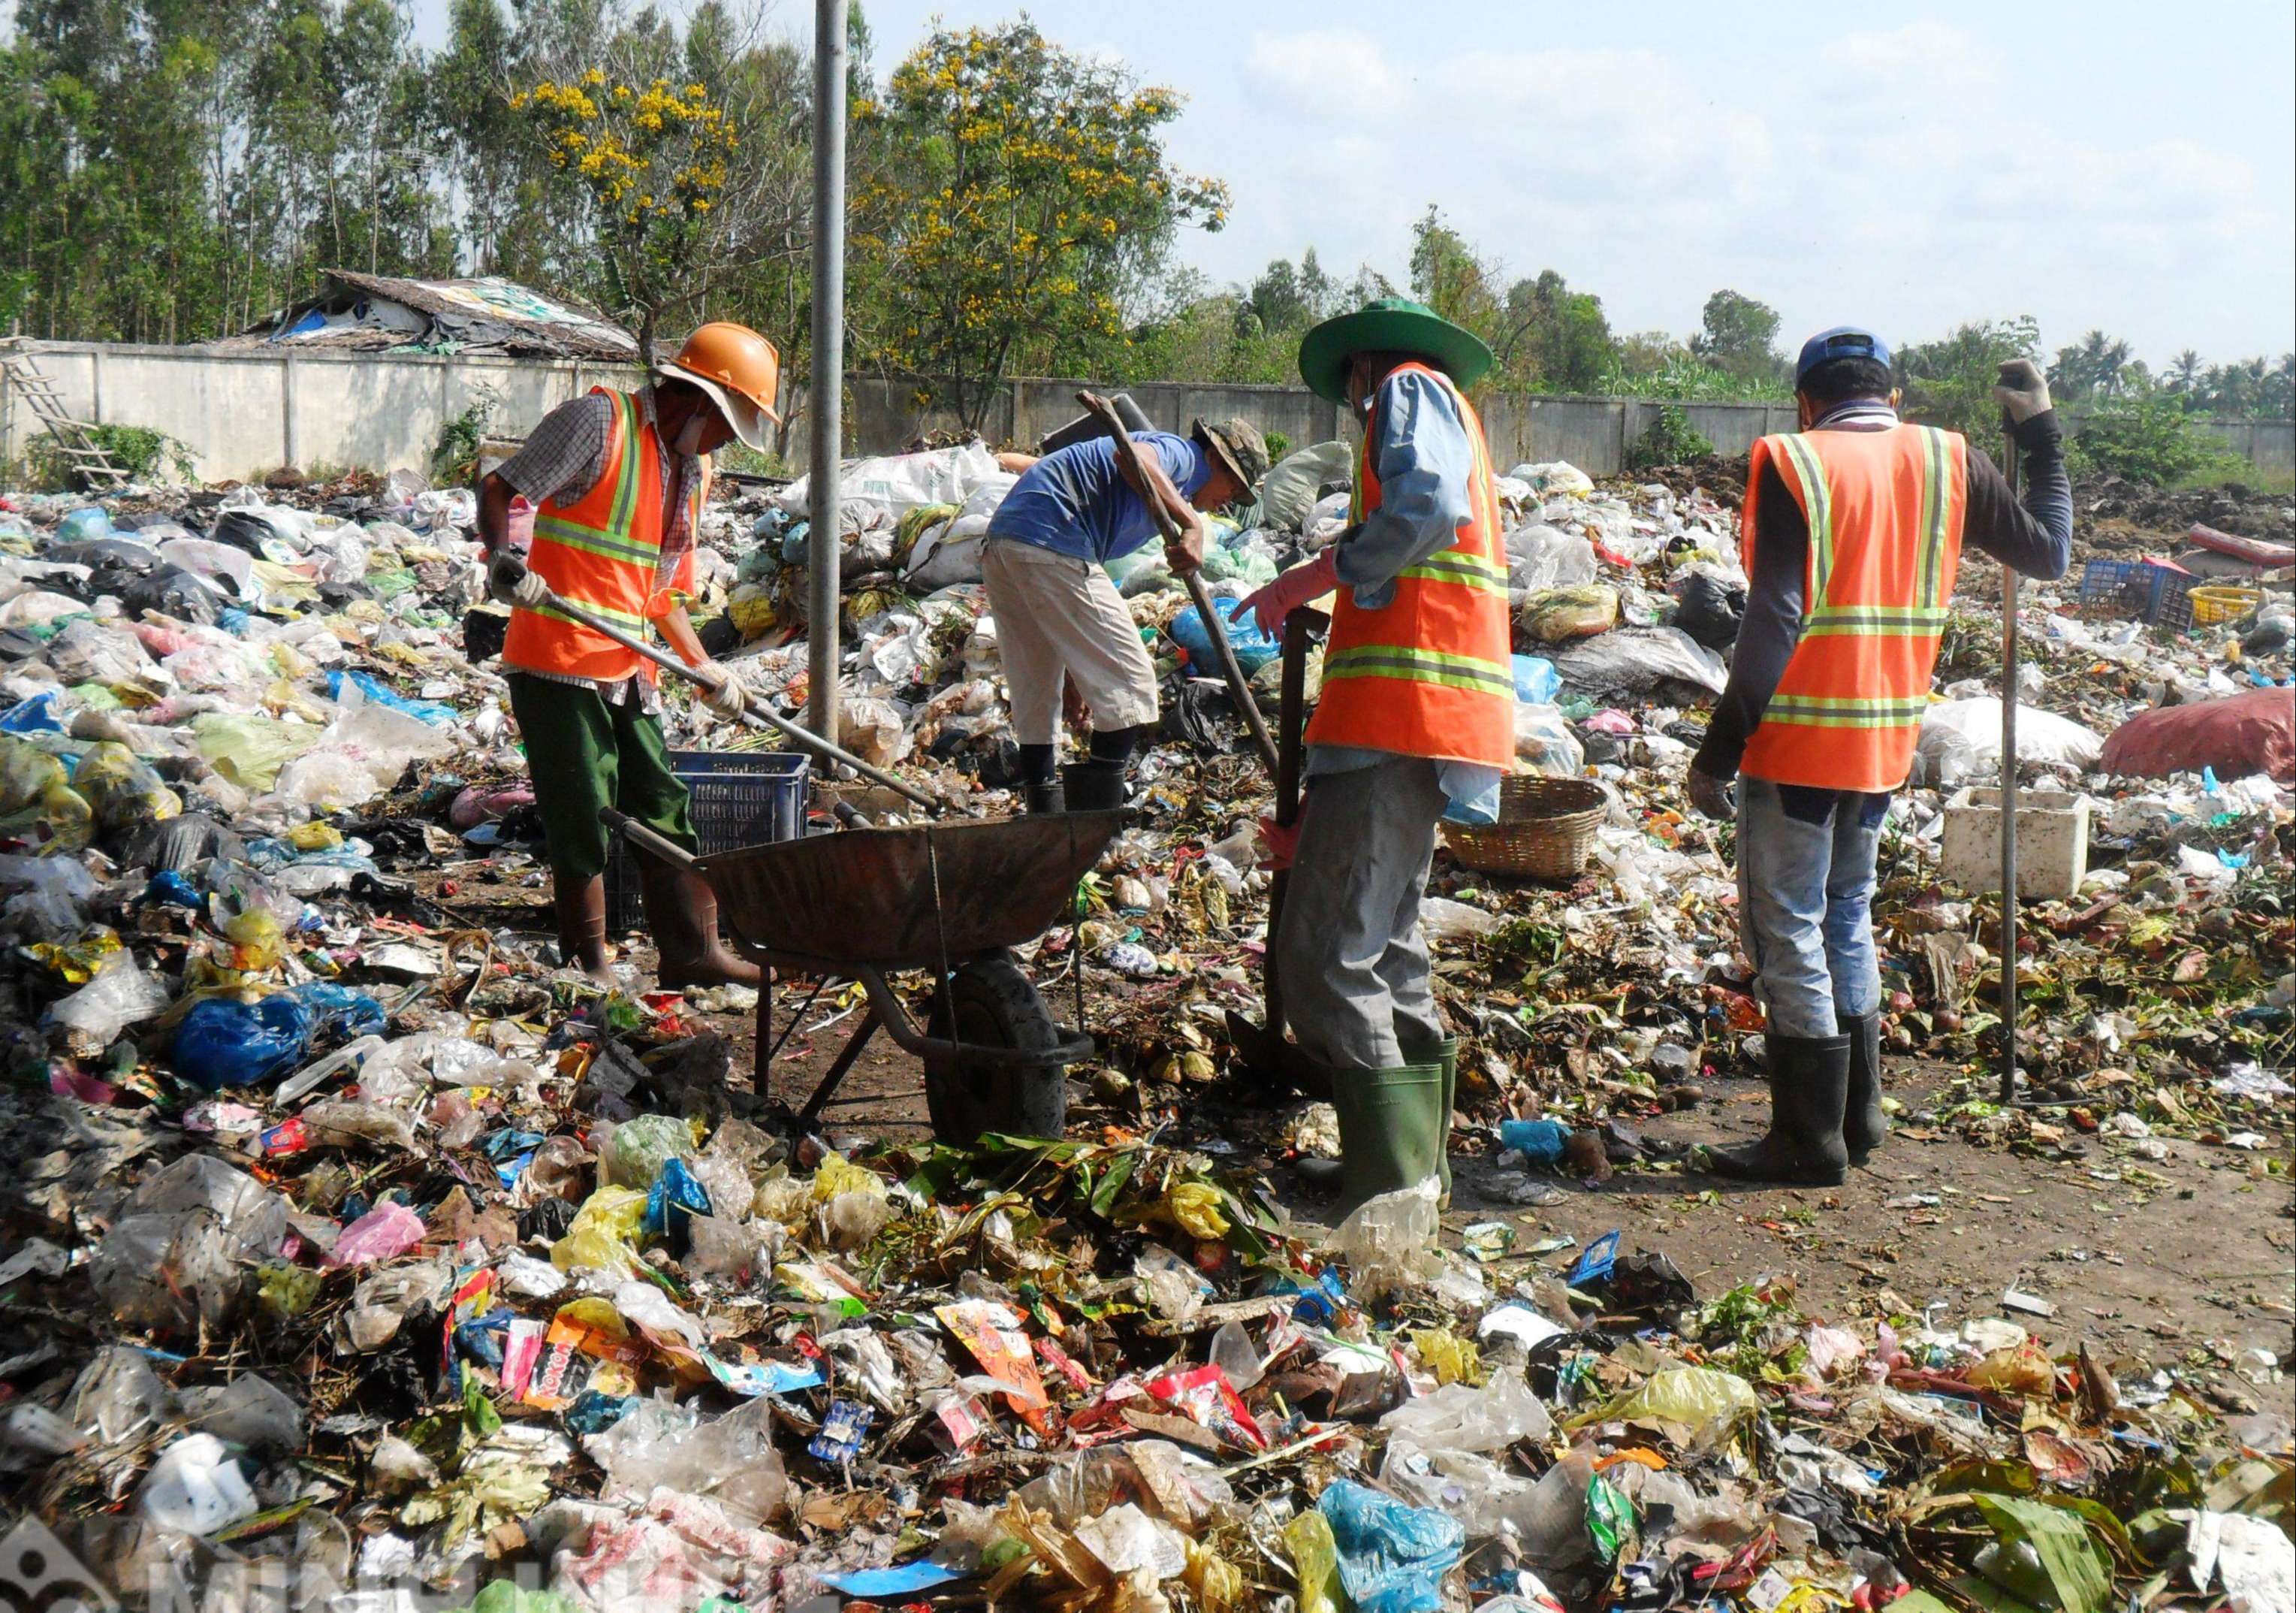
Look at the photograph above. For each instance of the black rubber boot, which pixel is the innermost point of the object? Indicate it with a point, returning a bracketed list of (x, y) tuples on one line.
[(1809, 1081), (1044, 797), (1864, 1125), (1092, 786)]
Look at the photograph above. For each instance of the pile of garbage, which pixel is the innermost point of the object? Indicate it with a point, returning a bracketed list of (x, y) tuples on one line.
[(361, 1253)]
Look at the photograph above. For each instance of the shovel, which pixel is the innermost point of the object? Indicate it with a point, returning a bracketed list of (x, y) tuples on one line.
[(1215, 629), (1262, 1047), (756, 715)]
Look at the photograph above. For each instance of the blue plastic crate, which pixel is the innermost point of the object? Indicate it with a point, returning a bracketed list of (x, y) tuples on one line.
[(740, 798), (2144, 589)]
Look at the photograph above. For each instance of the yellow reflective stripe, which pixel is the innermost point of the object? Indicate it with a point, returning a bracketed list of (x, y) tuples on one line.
[(626, 490), (1461, 566), (627, 620), (1894, 621), (1819, 498), (1828, 711), (573, 535), (1417, 665), (1934, 488)]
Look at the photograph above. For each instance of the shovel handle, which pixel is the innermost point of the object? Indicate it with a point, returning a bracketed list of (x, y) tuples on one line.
[(756, 716), (653, 843), (1239, 690)]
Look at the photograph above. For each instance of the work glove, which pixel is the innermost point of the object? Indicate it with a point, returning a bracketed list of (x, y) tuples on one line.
[(1713, 797), (1301, 584), (726, 696), (509, 583), (2022, 390)]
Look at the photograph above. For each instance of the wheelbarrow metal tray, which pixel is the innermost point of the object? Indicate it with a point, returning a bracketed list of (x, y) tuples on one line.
[(864, 898)]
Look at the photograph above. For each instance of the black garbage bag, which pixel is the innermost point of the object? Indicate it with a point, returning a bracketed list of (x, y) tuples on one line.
[(179, 843), (1710, 609), (114, 566), (1199, 715), (177, 593), (17, 645), (338, 595), (245, 530)]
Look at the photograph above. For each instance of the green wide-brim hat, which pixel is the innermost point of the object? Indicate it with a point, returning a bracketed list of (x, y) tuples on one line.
[(1392, 325)]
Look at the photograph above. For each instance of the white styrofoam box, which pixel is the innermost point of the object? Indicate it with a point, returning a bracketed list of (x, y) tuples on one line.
[(2052, 841)]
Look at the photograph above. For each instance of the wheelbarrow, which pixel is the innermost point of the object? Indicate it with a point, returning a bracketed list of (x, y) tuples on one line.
[(954, 898)]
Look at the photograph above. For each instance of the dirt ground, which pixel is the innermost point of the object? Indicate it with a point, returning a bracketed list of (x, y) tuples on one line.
[(2198, 1270)]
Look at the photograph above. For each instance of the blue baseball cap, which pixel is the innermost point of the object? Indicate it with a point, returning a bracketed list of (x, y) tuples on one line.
[(1843, 341)]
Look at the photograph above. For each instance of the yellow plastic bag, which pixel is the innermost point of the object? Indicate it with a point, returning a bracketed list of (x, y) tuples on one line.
[(122, 790), (35, 790), (1195, 1208), (1315, 1560), (838, 1175), (604, 1236), (1707, 1402), (1451, 1358)]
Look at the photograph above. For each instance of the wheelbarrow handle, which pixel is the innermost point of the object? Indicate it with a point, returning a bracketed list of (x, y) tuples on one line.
[(756, 715), (650, 841), (1239, 690)]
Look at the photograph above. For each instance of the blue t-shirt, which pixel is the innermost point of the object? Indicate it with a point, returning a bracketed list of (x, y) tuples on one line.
[(1075, 502)]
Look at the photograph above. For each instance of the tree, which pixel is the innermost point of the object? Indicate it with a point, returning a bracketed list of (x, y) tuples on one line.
[(651, 163), (1448, 276), (1025, 196), (1739, 335), (2092, 367), (1553, 337), (1949, 381), (2184, 374)]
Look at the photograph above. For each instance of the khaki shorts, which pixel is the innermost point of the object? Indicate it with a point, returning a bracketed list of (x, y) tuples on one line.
[(1056, 613)]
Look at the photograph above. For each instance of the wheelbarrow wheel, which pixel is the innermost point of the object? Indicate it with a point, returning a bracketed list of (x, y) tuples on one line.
[(995, 1005)]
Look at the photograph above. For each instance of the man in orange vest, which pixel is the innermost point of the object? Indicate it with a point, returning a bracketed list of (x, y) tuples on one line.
[(1415, 721), (602, 507), (1853, 531)]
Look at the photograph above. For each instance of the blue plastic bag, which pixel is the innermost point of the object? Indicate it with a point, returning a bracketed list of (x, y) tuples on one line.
[(224, 1042), (1536, 680), (37, 715), (338, 1010), (1392, 1558), (427, 711), (1253, 648), (1540, 1142), (675, 1199), (84, 524)]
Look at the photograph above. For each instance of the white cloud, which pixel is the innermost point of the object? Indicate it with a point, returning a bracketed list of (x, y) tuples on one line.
[(1335, 75), (1925, 59)]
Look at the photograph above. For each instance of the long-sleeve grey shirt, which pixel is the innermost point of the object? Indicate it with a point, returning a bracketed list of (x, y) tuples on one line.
[(2036, 537)]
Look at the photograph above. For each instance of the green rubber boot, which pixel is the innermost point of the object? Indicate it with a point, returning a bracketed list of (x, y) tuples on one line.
[(1445, 1053), (1390, 1129)]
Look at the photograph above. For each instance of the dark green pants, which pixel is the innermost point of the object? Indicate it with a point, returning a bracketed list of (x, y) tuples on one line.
[(585, 753)]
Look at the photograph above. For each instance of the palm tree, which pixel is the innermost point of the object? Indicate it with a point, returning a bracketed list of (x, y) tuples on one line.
[(2184, 372)]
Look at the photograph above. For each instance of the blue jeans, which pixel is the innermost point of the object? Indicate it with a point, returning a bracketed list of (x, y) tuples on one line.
[(1805, 902)]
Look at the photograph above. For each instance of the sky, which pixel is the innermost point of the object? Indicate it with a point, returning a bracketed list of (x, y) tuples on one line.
[(2119, 165)]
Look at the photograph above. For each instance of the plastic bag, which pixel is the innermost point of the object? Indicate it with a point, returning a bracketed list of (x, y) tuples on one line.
[(1289, 492), (1546, 744), (250, 749), (224, 1042), (247, 1411), (121, 994), (1443, 919), (1253, 648), (122, 790), (632, 1154), (1553, 477), (1535, 682), (1705, 1402), (1581, 611), (196, 1487), (1634, 660), (36, 795), (1712, 606), (1389, 1241), (1961, 739), (185, 1244), (1392, 1558), (902, 482), (1460, 1417), (604, 1235), (872, 728), (1541, 557), (1315, 1561)]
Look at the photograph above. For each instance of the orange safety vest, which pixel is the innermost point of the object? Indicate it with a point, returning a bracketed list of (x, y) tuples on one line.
[(1885, 511), (602, 552), (1430, 673)]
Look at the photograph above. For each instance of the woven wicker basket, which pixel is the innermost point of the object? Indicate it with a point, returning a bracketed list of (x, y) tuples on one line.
[(1546, 828)]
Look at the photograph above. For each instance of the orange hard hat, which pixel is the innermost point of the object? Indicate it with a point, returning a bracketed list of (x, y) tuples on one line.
[(739, 369)]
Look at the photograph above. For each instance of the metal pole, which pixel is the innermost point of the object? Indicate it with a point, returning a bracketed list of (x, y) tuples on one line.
[(2009, 812), (827, 394)]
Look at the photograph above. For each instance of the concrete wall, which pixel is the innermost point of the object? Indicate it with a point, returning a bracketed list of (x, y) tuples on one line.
[(243, 414)]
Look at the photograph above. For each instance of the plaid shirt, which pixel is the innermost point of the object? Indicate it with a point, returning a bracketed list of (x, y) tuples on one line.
[(563, 459)]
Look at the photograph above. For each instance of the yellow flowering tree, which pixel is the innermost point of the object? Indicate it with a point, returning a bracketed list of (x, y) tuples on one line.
[(649, 163), (1017, 195)]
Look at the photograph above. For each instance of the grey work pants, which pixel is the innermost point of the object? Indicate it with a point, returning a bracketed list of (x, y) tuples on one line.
[(1352, 961)]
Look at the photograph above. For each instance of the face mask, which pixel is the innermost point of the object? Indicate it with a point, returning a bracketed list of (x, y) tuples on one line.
[(688, 441)]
